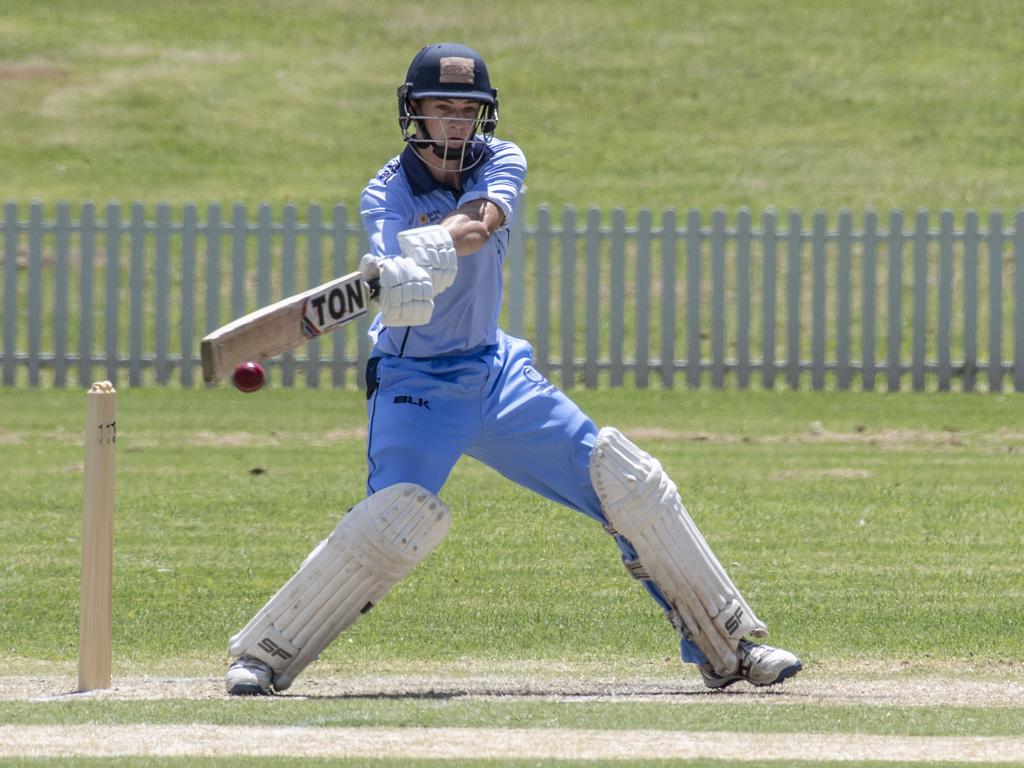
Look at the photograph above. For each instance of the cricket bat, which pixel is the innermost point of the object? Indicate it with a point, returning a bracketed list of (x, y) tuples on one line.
[(285, 324)]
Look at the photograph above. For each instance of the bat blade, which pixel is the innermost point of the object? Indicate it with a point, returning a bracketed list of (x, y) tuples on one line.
[(284, 325)]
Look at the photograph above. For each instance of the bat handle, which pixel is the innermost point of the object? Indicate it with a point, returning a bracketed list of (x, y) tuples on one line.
[(374, 285)]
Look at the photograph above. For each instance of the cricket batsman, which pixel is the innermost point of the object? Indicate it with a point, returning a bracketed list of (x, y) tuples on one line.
[(444, 381)]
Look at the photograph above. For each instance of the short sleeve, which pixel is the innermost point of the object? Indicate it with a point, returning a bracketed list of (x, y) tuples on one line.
[(501, 179), (385, 211)]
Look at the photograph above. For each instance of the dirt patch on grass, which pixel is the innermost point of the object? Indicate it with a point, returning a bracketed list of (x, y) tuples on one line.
[(31, 69), (1000, 441), (895, 685), (816, 433), (834, 473), (208, 439), (10, 438)]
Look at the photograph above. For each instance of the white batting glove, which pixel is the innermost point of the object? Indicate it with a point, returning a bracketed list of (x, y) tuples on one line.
[(406, 291), (432, 248)]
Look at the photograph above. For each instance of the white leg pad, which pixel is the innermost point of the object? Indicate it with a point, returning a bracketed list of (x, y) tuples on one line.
[(641, 503), (376, 544)]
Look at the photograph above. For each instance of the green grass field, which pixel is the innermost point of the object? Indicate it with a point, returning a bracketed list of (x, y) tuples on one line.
[(907, 503), (659, 104), (876, 535)]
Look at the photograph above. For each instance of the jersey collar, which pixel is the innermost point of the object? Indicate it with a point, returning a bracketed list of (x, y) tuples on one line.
[(420, 179)]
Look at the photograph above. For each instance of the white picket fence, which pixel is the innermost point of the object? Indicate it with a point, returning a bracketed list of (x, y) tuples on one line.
[(922, 302)]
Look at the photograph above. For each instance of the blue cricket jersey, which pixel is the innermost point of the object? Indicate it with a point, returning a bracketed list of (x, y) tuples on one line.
[(404, 195)]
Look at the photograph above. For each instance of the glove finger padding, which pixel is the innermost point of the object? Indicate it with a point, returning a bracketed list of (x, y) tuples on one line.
[(369, 267), (406, 292), (433, 249)]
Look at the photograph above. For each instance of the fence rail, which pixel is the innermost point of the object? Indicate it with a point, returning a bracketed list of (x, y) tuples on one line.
[(921, 302)]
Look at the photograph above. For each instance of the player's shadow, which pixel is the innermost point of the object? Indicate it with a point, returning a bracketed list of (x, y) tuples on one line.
[(631, 693)]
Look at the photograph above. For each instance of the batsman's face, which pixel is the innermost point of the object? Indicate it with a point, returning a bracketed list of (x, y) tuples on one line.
[(450, 121)]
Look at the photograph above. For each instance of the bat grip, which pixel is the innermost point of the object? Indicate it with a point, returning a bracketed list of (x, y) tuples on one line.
[(374, 285)]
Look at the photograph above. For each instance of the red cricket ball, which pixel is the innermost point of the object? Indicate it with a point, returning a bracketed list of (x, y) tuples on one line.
[(248, 377)]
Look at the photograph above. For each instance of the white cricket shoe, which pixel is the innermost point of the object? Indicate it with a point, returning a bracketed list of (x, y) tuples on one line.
[(759, 665), (248, 677)]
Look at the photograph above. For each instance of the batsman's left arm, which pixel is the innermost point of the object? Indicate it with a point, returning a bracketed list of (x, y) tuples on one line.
[(472, 224), (488, 202)]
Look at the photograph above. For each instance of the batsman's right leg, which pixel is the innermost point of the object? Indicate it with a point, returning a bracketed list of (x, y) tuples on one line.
[(378, 542), (666, 548)]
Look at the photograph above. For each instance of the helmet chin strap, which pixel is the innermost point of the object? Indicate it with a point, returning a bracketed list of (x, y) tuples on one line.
[(465, 156), (442, 151)]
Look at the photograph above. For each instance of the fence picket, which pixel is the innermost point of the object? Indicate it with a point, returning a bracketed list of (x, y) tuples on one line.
[(818, 300), (869, 304), (718, 299), (642, 331), (567, 298), (10, 291), (239, 249), (618, 296), (189, 234), (35, 291), (970, 300), (113, 292), (945, 299), (137, 245), (794, 294), (668, 298), (919, 353), (593, 312), (85, 295), (844, 301), (1018, 303), (693, 249), (264, 244), (213, 313), (894, 334), (768, 311), (995, 302), (743, 298), (61, 294), (163, 292)]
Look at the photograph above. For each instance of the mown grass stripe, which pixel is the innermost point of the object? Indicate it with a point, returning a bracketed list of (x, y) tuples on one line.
[(754, 714), (490, 743)]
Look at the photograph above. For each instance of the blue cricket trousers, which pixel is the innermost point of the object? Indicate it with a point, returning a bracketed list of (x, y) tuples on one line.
[(493, 405)]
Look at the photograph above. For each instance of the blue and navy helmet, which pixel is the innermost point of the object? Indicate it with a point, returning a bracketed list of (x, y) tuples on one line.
[(448, 70)]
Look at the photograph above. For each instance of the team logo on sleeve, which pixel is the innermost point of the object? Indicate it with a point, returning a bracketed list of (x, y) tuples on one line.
[(388, 172), (536, 378), (532, 374)]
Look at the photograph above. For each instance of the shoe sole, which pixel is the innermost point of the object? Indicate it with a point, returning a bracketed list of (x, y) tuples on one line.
[(785, 674), (788, 672), (247, 690)]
